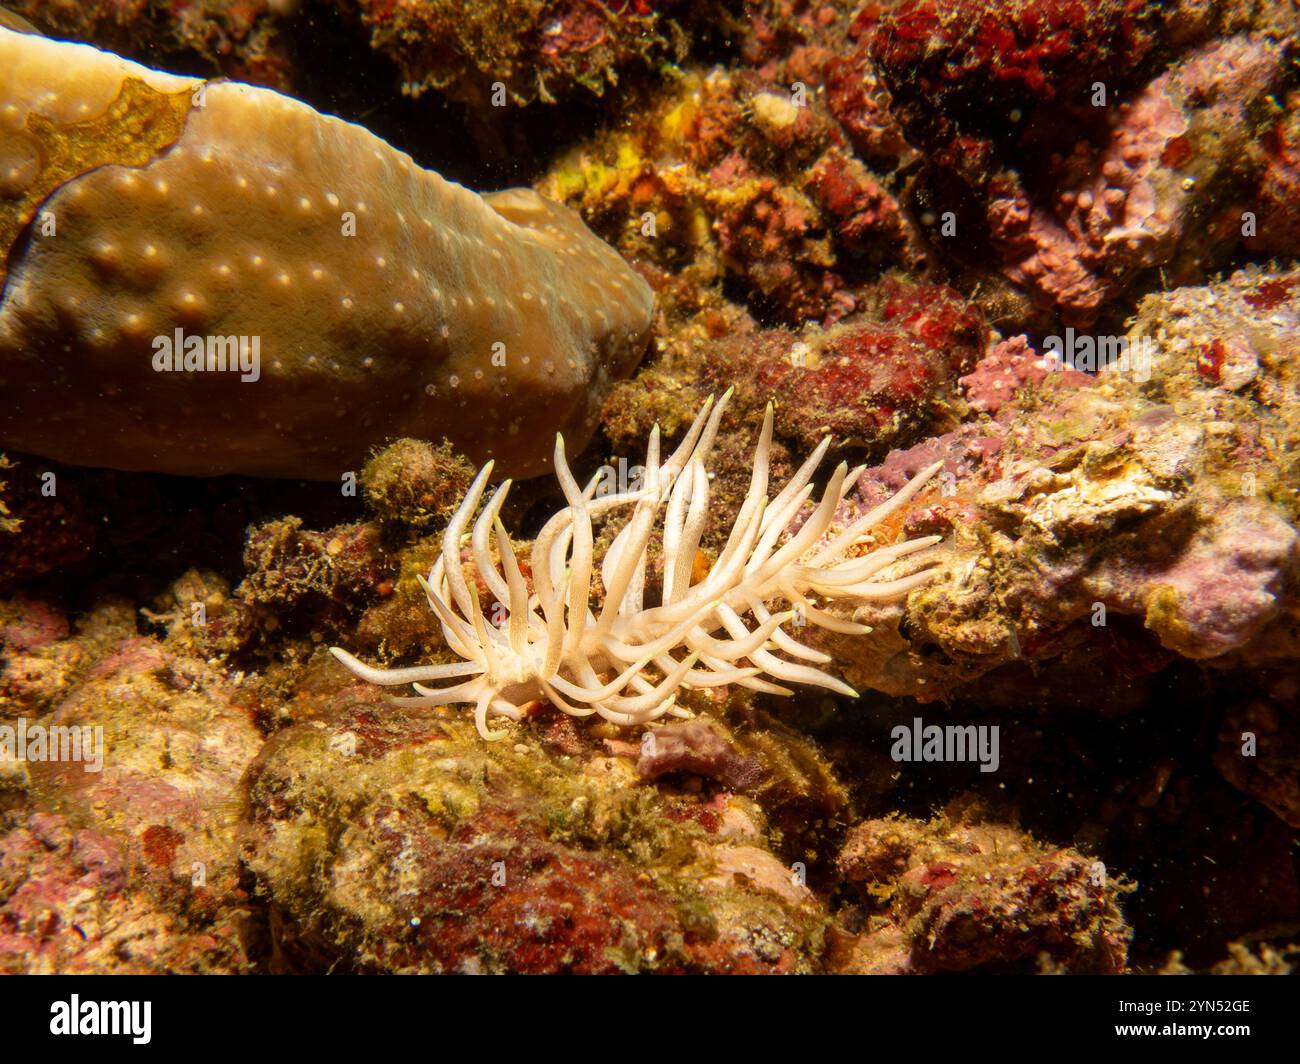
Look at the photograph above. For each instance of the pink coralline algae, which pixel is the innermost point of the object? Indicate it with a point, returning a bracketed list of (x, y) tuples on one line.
[(1084, 498), (1129, 206), (179, 738), (29, 625), (1008, 367), (68, 906), (1226, 586)]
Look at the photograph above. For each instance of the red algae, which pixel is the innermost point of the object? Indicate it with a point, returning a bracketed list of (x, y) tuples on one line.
[(1270, 294)]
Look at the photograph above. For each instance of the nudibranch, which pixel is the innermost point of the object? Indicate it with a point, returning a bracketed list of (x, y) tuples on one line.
[(208, 277), (626, 661)]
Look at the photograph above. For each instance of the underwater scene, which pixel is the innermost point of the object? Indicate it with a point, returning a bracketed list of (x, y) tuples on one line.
[(649, 486)]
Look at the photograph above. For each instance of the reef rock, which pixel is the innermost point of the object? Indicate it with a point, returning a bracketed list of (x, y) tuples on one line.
[(1135, 204), (398, 842), (1160, 490), (962, 895)]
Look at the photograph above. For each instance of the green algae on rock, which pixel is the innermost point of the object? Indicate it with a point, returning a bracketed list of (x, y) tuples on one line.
[(526, 49), (414, 484), (362, 296), (397, 842)]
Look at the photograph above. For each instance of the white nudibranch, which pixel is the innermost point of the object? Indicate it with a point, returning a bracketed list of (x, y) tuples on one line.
[(626, 662)]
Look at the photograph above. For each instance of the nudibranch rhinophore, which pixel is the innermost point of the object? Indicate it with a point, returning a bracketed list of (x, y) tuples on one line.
[(208, 277)]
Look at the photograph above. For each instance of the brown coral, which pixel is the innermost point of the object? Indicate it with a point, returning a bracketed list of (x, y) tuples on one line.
[(299, 292)]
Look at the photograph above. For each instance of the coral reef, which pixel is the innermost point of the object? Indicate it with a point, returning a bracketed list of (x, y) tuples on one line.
[(415, 485), (1084, 146), (1090, 498), (398, 842), (882, 377), (1024, 268), (128, 863), (1024, 52), (735, 175), (1278, 222), (68, 906), (945, 896), (1146, 198)]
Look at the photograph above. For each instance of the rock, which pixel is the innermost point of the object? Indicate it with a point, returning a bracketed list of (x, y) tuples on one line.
[(399, 842), (974, 895)]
